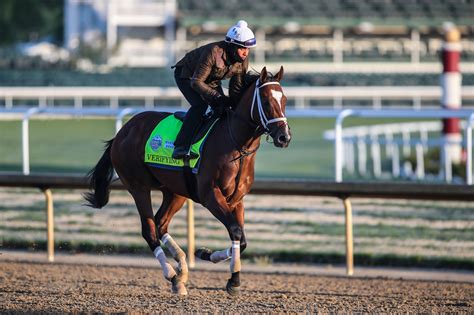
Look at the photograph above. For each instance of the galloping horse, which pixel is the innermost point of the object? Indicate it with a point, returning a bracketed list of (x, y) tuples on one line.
[(225, 176)]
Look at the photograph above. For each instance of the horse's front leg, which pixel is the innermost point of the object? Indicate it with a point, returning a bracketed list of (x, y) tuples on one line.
[(236, 233), (233, 219), (171, 204), (218, 256), (143, 202)]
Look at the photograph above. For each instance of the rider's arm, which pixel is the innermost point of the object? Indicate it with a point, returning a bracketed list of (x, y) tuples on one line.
[(236, 83), (202, 72)]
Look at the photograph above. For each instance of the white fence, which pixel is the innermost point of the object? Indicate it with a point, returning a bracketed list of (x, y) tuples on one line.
[(397, 140), (301, 97), (339, 151)]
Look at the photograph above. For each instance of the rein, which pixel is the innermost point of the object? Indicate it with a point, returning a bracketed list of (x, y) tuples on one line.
[(244, 152), (263, 118)]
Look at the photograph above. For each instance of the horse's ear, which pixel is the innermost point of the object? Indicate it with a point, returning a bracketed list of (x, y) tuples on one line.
[(263, 75), (279, 75)]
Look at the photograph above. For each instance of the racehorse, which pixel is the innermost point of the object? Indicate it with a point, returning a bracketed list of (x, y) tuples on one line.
[(225, 176)]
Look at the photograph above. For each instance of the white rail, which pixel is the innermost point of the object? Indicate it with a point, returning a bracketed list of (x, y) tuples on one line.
[(301, 96), (339, 115), (425, 114)]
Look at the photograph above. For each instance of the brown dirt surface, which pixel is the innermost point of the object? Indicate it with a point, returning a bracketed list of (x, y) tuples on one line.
[(50, 288)]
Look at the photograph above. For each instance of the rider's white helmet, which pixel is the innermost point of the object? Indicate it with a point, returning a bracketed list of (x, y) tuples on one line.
[(241, 35)]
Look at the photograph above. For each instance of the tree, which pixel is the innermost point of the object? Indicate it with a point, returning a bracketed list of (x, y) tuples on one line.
[(28, 20)]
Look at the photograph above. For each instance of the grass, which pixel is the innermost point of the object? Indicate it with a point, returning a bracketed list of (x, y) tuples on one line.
[(75, 145)]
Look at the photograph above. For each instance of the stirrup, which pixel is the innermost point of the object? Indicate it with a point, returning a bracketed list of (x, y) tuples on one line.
[(182, 152), (192, 155), (179, 152)]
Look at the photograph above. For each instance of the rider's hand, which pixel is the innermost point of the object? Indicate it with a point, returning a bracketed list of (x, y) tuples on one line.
[(221, 101)]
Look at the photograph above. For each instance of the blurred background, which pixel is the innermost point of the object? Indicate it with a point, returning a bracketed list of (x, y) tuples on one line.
[(401, 40), (379, 55), (371, 54)]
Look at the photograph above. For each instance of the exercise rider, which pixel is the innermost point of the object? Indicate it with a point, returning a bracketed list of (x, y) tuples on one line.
[(199, 74)]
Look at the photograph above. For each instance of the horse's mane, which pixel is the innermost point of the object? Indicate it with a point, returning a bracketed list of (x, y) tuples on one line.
[(249, 79), (251, 76)]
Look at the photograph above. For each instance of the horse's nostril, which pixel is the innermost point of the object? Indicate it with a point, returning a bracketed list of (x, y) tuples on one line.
[(282, 139)]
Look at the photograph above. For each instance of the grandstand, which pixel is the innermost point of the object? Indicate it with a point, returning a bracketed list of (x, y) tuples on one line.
[(320, 43), (365, 30), (334, 13)]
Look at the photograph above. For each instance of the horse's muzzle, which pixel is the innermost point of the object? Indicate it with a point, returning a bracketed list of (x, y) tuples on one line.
[(281, 136)]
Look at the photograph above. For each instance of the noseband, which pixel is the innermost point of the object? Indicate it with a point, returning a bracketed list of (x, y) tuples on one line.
[(257, 99)]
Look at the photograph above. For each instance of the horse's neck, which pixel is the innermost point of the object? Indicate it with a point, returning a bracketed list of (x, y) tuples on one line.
[(242, 125)]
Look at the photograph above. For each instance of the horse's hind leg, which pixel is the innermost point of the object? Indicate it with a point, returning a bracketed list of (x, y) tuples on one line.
[(172, 203), (233, 219), (143, 202)]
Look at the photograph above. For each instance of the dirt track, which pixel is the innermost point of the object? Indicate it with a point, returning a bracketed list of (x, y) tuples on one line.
[(38, 287)]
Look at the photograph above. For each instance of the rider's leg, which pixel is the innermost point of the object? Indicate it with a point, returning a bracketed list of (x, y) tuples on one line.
[(191, 123), (193, 117)]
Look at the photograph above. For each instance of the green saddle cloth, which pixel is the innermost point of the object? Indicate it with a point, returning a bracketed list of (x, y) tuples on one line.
[(159, 146)]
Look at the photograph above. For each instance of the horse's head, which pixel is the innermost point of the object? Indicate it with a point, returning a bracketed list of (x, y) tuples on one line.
[(268, 108)]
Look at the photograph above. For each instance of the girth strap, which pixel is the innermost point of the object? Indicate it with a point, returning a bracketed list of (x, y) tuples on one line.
[(190, 180)]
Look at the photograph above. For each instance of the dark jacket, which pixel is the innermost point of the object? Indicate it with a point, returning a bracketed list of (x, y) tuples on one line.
[(207, 65)]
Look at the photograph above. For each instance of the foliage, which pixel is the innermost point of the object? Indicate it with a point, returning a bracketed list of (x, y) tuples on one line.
[(29, 20)]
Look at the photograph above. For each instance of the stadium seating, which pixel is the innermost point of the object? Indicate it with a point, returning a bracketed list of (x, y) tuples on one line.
[(164, 77), (262, 12)]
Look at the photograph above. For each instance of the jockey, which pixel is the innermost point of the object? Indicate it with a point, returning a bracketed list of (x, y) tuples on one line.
[(199, 74)]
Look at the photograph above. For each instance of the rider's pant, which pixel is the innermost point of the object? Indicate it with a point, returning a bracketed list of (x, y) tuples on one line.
[(193, 117)]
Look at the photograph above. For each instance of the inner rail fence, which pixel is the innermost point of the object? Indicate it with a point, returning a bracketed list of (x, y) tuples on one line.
[(343, 153), (301, 97), (344, 191), (397, 141)]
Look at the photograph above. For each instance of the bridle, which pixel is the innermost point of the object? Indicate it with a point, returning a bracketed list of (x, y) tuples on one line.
[(264, 122), (257, 99)]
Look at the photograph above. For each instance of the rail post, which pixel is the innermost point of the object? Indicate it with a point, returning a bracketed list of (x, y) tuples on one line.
[(349, 237), (119, 118), (470, 122), (191, 239), (451, 91), (338, 148), (25, 139), (49, 223)]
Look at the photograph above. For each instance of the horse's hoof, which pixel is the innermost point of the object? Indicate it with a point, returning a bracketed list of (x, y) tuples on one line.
[(182, 277), (203, 253), (232, 290), (178, 287)]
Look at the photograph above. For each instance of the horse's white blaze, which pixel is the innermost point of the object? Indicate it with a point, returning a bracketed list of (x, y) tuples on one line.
[(256, 99), (277, 95)]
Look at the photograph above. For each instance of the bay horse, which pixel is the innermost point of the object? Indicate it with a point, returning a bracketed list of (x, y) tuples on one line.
[(225, 176)]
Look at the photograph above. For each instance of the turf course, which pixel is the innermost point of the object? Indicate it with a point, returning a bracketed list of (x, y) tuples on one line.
[(74, 146)]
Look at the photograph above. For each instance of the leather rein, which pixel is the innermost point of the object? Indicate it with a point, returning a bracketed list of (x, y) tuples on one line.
[(264, 122)]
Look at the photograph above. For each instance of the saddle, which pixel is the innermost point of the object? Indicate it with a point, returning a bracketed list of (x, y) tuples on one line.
[(206, 123)]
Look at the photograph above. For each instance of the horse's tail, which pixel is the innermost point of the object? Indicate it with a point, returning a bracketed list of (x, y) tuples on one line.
[(99, 179)]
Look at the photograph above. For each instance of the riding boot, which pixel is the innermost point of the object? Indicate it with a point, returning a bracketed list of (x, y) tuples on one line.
[(182, 145)]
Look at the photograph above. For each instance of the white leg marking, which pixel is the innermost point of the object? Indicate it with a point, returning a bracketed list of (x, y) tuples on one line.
[(221, 255), (168, 271), (235, 260), (178, 255)]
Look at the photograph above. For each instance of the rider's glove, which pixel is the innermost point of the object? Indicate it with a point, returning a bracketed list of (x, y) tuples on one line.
[(221, 101)]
